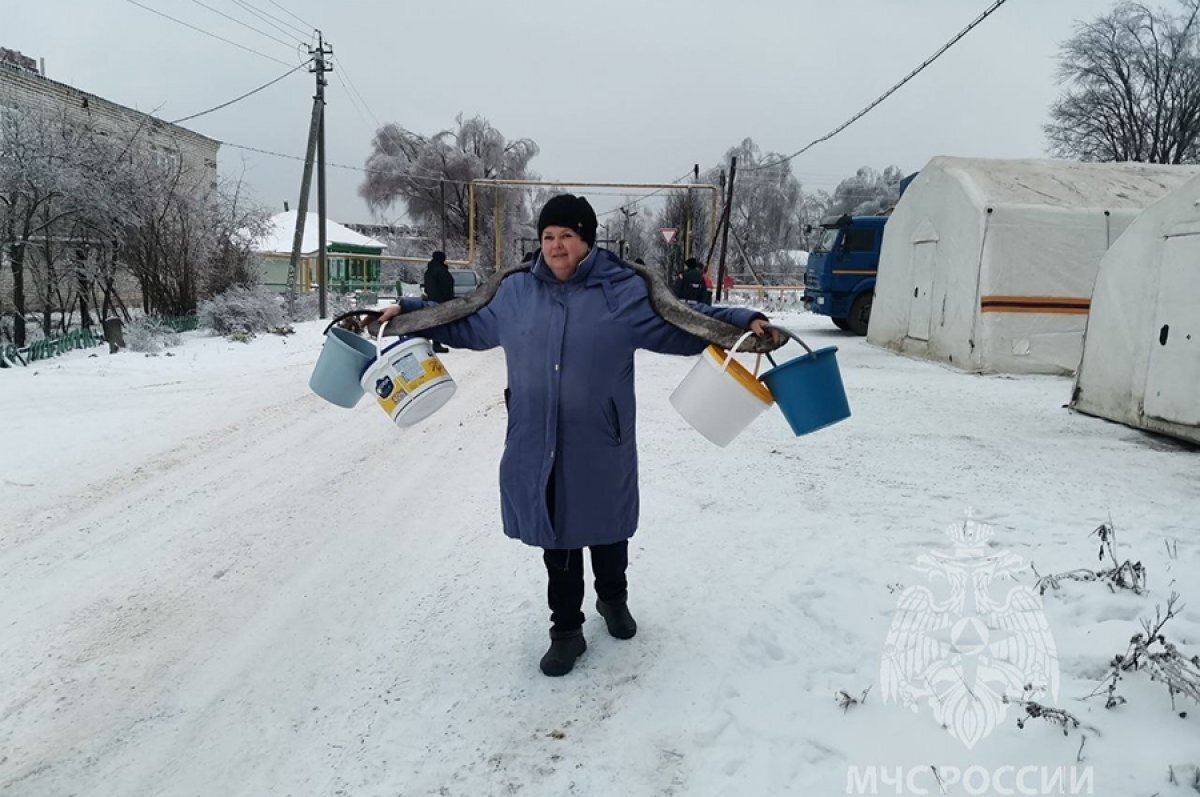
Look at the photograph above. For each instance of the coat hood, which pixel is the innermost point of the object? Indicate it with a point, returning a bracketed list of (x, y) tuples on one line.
[(600, 266)]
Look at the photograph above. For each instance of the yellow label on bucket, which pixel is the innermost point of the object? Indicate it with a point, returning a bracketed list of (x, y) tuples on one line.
[(410, 374)]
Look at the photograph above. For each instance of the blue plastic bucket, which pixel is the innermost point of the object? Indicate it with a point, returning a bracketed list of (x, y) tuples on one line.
[(344, 357), (809, 389)]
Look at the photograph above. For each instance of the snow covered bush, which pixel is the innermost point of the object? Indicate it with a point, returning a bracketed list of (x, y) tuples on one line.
[(242, 312), (306, 308), (150, 335)]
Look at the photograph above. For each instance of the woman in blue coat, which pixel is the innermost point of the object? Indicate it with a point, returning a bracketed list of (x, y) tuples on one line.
[(569, 328)]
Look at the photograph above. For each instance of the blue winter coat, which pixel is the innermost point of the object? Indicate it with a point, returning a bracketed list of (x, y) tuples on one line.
[(571, 412)]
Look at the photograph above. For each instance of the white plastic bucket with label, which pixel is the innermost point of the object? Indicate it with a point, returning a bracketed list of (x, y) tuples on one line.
[(408, 380), (719, 397)]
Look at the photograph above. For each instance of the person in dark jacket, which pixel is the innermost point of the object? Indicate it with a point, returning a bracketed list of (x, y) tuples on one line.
[(439, 283), (569, 328), (691, 283), (439, 286)]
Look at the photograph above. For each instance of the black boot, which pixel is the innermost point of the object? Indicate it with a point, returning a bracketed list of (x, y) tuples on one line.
[(565, 648), (616, 614)]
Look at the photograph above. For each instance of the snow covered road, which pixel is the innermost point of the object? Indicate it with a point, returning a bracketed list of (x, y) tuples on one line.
[(212, 583)]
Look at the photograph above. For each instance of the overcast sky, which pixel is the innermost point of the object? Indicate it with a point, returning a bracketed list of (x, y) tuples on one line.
[(615, 91)]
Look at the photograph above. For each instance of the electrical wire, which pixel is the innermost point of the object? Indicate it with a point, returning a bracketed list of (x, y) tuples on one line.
[(643, 198), (987, 13), (293, 16), (353, 102), (246, 25), (354, 88), (271, 20), (209, 33), (432, 180), (244, 96)]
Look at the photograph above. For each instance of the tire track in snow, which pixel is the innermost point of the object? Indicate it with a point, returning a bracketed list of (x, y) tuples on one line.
[(162, 580)]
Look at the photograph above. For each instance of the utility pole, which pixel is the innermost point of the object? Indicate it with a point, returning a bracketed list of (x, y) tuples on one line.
[(725, 230), (319, 67), (687, 225), (626, 212), (443, 215)]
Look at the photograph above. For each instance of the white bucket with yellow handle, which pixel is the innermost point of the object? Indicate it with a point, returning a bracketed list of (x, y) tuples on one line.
[(408, 380), (719, 397)]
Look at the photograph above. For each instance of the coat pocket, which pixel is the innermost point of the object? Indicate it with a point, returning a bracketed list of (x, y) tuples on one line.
[(614, 420), (508, 410)]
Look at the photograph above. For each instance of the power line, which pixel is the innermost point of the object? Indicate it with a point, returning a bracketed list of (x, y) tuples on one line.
[(267, 18), (353, 102), (643, 198), (208, 33), (293, 16), (243, 24), (887, 93), (353, 87), (244, 96), (430, 180)]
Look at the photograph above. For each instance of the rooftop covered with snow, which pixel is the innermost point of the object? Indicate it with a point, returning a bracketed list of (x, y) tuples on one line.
[(282, 231)]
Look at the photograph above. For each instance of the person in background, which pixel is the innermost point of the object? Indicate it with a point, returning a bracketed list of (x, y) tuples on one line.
[(569, 328), (692, 281), (439, 286)]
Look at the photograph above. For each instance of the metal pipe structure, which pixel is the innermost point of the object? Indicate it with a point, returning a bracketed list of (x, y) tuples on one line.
[(497, 184)]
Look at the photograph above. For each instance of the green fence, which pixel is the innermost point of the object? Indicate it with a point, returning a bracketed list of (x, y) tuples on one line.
[(46, 348)]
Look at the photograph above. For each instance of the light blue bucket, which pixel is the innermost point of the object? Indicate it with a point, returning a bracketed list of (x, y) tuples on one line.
[(808, 389), (344, 358)]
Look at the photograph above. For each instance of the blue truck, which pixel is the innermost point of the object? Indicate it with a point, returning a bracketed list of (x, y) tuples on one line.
[(840, 278)]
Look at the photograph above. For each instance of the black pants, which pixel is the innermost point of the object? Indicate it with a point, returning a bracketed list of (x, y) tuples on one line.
[(565, 570)]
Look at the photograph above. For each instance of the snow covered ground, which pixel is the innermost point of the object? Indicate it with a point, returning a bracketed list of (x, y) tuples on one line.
[(213, 583)]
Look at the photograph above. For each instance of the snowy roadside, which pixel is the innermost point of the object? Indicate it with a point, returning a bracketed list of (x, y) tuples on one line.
[(213, 583)]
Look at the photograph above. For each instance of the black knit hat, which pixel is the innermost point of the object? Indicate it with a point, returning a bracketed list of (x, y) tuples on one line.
[(573, 212)]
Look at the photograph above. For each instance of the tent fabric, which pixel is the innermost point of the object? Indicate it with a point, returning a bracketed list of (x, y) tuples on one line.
[(282, 230), (989, 265), (1141, 351)]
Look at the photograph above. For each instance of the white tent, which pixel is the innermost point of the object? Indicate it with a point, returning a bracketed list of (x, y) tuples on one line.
[(989, 264), (1141, 353), (282, 230)]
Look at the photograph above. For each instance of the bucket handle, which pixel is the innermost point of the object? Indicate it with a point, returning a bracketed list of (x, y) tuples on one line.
[(793, 336), (379, 341), (729, 354), (344, 316)]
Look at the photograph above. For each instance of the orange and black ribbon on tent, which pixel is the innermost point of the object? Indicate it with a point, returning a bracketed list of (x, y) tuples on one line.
[(1035, 304)]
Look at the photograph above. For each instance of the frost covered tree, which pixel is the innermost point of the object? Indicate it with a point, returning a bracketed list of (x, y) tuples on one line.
[(411, 169), (866, 193), (1132, 87), (181, 238), (766, 198), (809, 212), (676, 210), (80, 208), (43, 169)]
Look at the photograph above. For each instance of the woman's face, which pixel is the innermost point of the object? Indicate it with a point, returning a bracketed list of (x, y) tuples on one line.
[(563, 250)]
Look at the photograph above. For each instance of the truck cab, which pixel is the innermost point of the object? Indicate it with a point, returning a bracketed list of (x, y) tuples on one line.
[(840, 279)]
